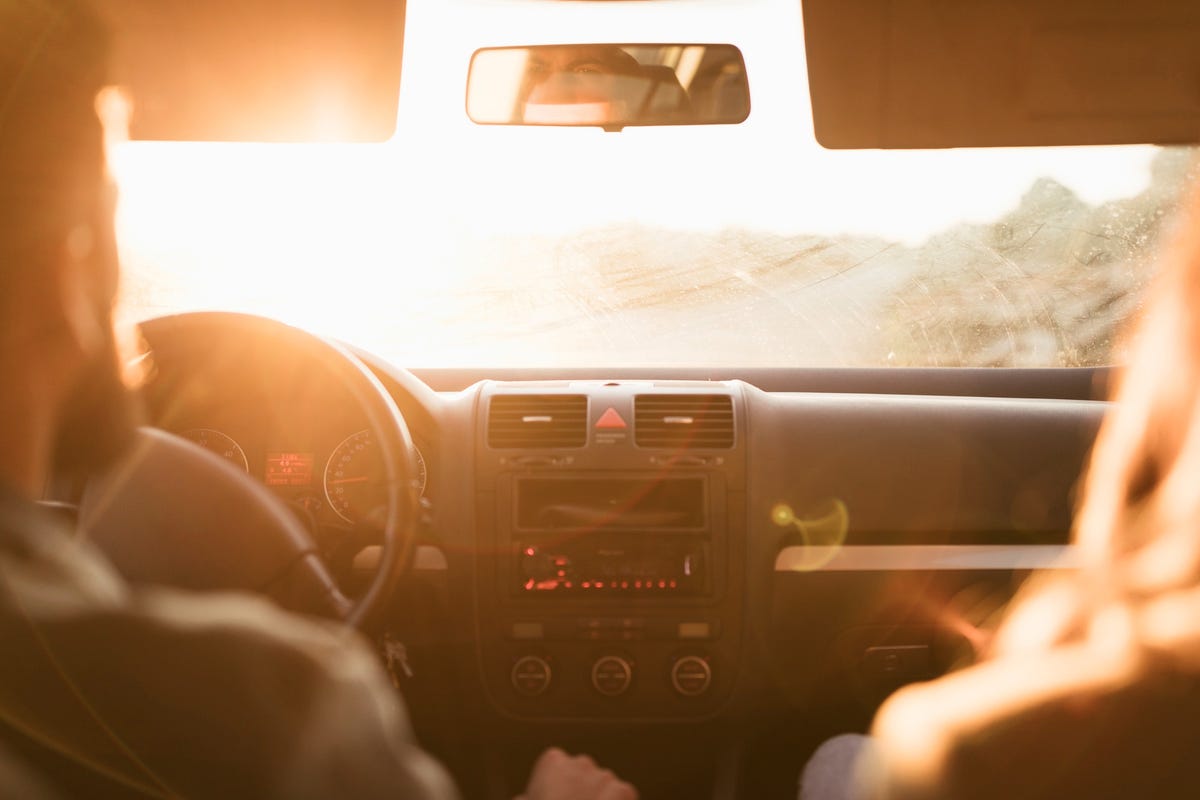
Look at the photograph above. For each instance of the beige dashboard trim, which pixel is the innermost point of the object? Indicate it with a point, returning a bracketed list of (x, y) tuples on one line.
[(889, 558), (426, 558)]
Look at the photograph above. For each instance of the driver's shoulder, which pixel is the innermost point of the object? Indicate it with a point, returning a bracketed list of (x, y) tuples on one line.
[(228, 679), (68, 619), (56, 583)]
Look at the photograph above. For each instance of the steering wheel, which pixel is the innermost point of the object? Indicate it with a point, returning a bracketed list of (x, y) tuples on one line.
[(173, 513)]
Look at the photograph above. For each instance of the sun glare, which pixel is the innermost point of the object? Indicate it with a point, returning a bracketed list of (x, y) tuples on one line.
[(379, 244)]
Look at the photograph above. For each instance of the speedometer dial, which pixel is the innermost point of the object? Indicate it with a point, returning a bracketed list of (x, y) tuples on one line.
[(216, 442), (354, 477)]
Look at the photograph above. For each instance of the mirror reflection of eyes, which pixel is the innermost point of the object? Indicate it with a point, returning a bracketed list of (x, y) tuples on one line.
[(589, 68), (539, 66)]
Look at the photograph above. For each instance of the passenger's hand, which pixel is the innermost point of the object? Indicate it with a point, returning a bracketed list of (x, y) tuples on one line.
[(558, 775)]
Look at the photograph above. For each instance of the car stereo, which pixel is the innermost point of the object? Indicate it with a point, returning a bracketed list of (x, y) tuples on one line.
[(611, 536), (600, 564)]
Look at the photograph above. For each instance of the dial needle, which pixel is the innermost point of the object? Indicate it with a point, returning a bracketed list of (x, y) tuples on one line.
[(359, 479)]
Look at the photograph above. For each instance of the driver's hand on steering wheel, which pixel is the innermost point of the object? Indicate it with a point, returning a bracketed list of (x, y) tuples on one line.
[(558, 775)]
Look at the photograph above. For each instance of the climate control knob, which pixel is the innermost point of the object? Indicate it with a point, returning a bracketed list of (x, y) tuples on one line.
[(531, 676), (612, 675), (691, 676)]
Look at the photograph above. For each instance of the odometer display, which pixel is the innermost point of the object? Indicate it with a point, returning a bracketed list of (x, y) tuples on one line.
[(289, 469)]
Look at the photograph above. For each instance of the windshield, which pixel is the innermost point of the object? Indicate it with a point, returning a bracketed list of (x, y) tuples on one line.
[(458, 244)]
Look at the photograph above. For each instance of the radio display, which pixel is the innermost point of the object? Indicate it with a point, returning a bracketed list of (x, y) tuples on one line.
[(628, 564)]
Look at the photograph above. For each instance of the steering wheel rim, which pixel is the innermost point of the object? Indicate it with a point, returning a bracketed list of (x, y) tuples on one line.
[(384, 420)]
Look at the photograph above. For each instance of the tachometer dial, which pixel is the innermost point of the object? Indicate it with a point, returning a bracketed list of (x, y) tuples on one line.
[(219, 443), (354, 477)]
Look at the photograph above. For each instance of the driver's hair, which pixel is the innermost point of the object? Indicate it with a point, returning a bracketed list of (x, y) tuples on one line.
[(53, 63)]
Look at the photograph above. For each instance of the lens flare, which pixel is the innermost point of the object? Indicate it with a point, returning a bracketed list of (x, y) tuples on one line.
[(822, 530)]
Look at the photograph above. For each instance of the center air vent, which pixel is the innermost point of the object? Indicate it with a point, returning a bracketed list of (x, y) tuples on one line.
[(683, 420), (537, 420)]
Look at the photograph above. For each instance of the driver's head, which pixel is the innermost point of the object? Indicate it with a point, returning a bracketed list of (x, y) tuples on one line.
[(58, 265), (577, 85)]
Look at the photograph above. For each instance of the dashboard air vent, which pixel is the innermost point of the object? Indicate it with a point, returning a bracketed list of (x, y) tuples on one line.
[(683, 420), (537, 420)]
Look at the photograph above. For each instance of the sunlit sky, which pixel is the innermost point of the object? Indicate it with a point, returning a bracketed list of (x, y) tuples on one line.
[(337, 237)]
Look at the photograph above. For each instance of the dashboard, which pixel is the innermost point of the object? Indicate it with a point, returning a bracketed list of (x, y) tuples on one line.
[(665, 553)]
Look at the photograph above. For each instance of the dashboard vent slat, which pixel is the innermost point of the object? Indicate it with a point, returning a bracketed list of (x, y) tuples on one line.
[(537, 421), (683, 420)]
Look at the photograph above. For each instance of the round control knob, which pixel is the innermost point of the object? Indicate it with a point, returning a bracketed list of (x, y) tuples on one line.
[(612, 675), (531, 675), (691, 676)]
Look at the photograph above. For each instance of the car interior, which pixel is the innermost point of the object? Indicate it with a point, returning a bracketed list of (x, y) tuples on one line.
[(695, 572)]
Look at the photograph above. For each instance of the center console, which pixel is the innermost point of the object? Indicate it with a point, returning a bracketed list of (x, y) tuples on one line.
[(609, 569)]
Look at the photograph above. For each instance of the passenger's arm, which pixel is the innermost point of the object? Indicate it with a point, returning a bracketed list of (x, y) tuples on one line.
[(1108, 716)]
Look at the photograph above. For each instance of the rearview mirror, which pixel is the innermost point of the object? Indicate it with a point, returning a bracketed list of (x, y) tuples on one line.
[(611, 86)]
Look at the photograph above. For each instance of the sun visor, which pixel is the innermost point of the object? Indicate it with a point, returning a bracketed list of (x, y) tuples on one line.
[(264, 71), (989, 73)]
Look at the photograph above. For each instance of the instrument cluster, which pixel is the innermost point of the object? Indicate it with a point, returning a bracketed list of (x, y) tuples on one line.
[(343, 482)]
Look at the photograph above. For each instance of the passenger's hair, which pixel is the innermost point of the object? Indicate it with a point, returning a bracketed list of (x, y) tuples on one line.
[(1140, 522), (1138, 526), (53, 62)]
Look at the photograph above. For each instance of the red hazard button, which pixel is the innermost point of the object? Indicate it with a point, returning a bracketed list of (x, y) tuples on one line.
[(611, 419)]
